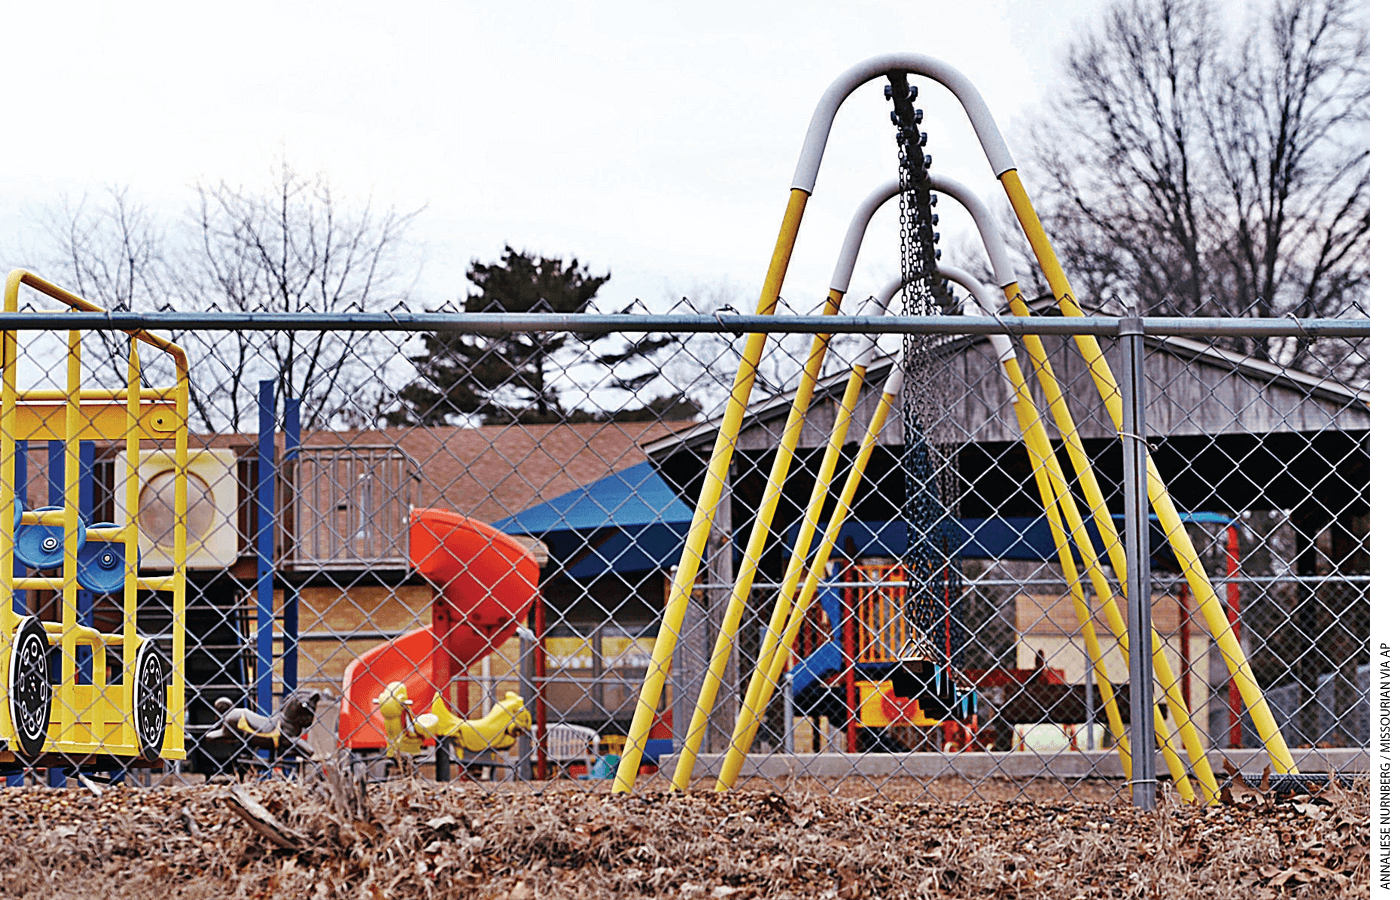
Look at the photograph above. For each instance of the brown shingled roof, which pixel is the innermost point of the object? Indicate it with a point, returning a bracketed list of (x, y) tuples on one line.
[(499, 470)]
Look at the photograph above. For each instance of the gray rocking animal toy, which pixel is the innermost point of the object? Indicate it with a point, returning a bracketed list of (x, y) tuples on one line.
[(279, 732)]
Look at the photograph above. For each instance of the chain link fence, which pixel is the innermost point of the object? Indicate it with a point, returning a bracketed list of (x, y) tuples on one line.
[(330, 611)]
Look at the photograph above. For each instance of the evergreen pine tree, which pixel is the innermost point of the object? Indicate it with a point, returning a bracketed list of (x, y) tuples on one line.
[(512, 378)]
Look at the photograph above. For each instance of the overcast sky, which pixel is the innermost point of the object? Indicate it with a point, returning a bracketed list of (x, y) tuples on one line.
[(655, 141)]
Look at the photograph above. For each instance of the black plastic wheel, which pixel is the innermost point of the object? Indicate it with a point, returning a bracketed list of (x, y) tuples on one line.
[(151, 677), (31, 694)]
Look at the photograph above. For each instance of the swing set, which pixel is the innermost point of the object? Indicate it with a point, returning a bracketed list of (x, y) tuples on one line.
[(933, 565)]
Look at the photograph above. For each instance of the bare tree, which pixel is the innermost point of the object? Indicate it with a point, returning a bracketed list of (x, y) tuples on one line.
[(1199, 170), (293, 246), (110, 251)]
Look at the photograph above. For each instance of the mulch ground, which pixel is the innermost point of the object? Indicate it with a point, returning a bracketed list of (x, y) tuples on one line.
[(334, 837)]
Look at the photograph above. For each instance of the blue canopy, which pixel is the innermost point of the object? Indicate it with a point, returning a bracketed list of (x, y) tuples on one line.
[(1011, 537), (1016, 537), (630, 521)]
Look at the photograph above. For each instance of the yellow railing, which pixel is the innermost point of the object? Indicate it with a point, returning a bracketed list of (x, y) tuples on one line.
[(97, 719), (881, 627)]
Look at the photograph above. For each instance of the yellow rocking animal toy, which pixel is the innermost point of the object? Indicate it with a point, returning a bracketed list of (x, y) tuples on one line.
[(406, 732)]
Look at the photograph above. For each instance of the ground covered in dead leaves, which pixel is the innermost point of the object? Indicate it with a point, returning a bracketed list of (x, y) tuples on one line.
[(333, 838)]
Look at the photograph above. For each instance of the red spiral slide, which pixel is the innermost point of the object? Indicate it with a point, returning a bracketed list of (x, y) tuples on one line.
[(487, 583)]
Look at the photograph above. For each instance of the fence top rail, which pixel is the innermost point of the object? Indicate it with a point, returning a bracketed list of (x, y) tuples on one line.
[(606, 323)]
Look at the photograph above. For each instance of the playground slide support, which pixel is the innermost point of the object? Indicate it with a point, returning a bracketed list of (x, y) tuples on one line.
[(1216, 620), (772, 493), (683, 585)]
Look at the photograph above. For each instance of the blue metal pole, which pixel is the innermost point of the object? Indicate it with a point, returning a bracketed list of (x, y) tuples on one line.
[(266, 525), (55, 479), (291, 603)]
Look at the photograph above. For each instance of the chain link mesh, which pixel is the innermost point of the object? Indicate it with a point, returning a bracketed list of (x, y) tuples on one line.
[(1269, 464)]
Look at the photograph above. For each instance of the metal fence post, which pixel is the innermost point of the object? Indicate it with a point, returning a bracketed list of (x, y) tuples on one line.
[(524, 762), (1139, 590), (789, 717)]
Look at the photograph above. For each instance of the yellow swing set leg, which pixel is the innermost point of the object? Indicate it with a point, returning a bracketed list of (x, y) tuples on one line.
[(772, 658), (1176, 703), (649, 702), (1050, 480), (765, 679), (768, 506), (1235, 662), (1042, 460), (753, 551)]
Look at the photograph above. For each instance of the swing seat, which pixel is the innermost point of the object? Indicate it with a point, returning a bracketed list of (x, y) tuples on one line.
[(933, 687)]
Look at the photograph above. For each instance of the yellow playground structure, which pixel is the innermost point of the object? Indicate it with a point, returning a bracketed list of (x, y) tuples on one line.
[(1070, 514), (76, 695)]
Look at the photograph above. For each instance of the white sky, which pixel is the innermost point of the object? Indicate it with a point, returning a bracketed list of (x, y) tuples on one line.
[(656, 141)]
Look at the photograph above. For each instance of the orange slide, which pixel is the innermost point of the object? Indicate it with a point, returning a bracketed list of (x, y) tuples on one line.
[(487, 583)]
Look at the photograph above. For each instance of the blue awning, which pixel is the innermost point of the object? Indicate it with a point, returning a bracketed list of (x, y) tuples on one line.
[(1011, 537), (630, 521), (1015, 537)]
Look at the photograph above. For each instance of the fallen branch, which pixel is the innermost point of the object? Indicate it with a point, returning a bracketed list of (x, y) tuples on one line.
[(262, 821)]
